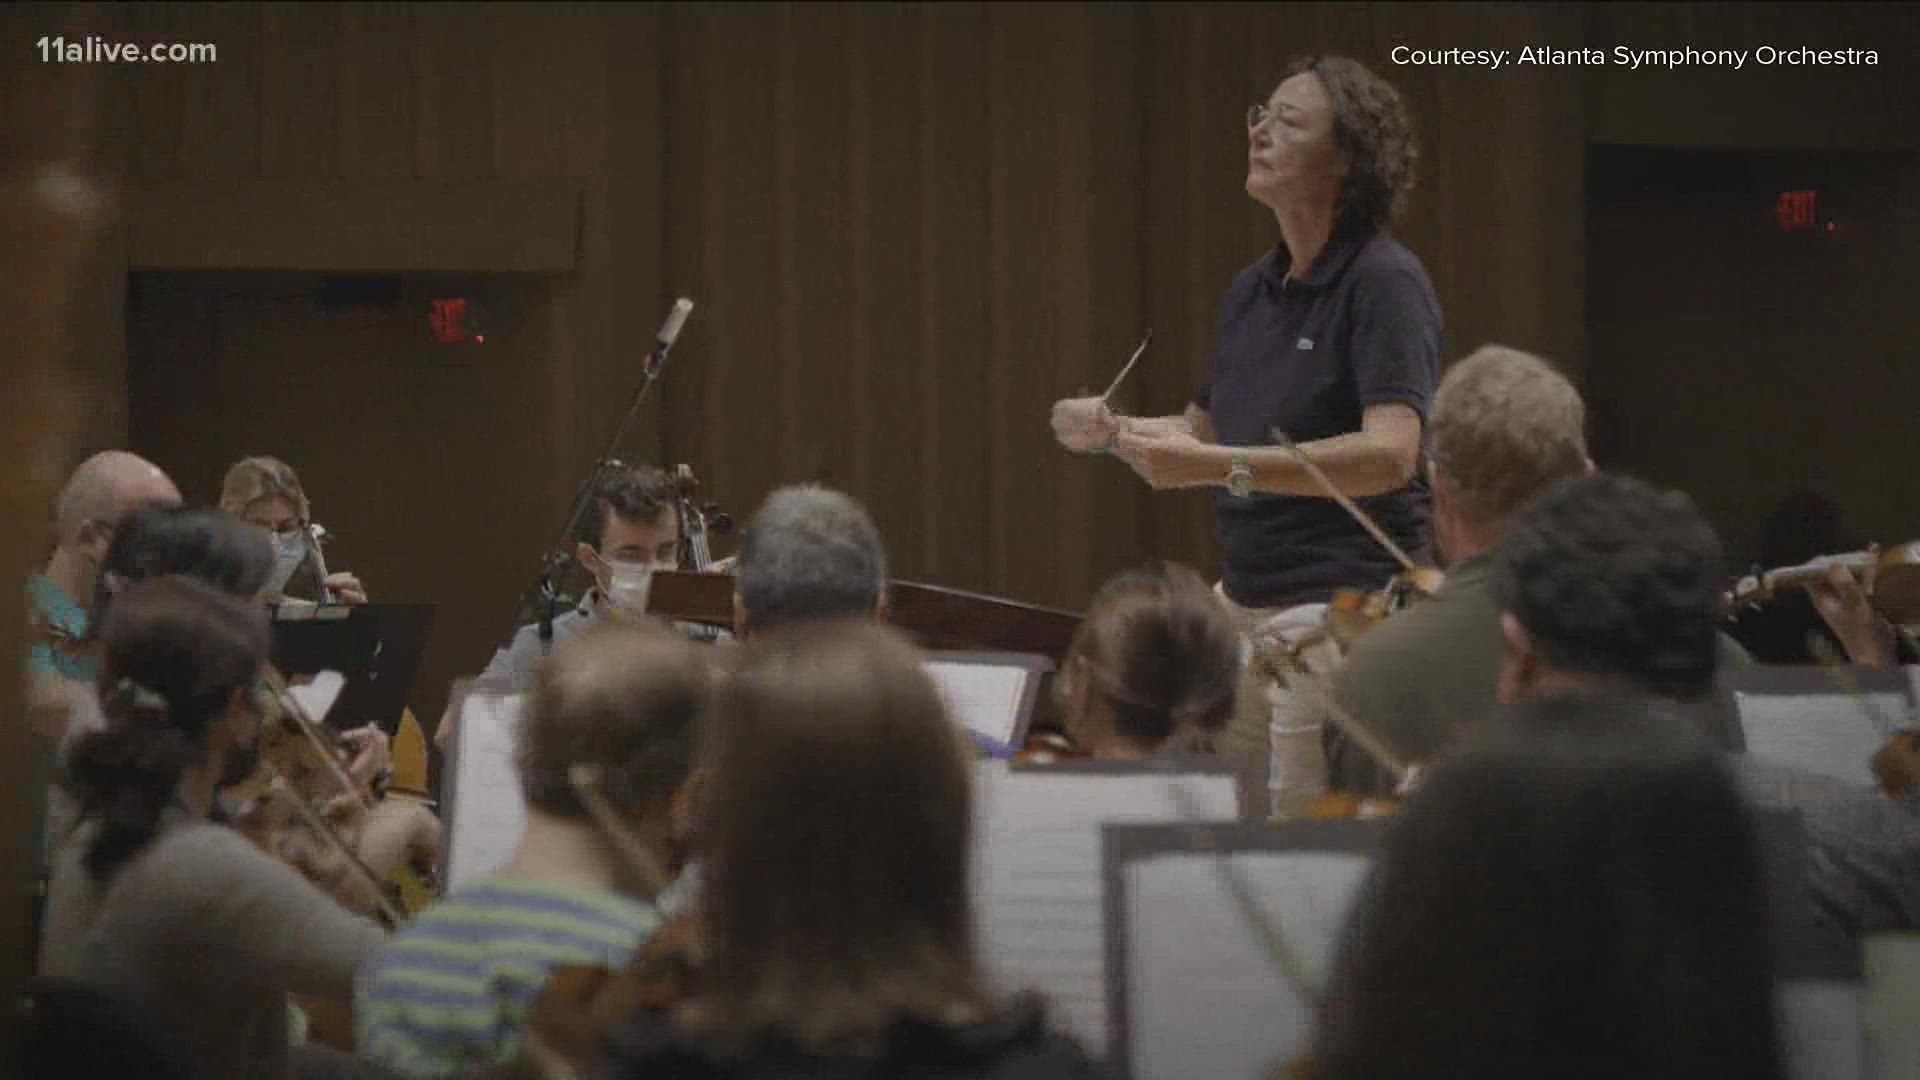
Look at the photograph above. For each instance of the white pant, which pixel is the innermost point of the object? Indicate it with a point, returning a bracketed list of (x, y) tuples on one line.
[(1297, 760)]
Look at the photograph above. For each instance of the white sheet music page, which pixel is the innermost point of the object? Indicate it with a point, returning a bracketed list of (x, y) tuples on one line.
[(1205, 997), (1831, 734), (488, 813), (983, 698), (1037, 874)]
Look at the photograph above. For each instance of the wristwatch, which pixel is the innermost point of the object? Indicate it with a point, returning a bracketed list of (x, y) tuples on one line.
[(1240, 476)]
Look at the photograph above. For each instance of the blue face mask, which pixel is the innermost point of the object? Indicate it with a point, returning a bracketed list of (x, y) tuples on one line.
[(289, 551)]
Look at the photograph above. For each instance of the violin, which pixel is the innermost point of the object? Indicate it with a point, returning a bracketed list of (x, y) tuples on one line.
[(303, 769), (1889, 576), (580, 1003)]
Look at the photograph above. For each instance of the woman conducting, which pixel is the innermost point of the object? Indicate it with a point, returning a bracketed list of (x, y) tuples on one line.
[(1331, 338)]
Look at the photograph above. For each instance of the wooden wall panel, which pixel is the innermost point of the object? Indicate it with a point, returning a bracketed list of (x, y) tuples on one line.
[(954, 296)]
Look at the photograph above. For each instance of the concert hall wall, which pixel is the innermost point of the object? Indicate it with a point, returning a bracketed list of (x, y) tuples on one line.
[(908, 229)]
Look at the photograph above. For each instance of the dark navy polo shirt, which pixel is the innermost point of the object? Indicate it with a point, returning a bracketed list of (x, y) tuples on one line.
[(1362, 328)]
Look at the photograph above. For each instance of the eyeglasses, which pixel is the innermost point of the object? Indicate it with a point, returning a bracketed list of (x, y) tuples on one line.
[(1258, 113), (285, 528)]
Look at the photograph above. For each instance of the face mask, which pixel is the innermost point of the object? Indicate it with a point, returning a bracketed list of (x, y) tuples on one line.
[(289, 551), (627, 587)]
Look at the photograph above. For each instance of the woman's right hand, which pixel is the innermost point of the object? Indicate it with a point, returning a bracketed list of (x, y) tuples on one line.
[(1084, 424)]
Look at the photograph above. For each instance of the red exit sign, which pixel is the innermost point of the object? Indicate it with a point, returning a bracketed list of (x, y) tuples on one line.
[(1796, 209)]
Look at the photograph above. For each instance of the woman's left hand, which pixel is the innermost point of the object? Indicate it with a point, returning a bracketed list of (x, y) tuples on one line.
[(346, 588), (1174, 460)]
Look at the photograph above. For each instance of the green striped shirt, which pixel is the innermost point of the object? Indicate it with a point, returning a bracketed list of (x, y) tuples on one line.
[(451, 992)]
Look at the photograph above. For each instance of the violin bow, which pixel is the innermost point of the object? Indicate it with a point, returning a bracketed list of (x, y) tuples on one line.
[(1286, 961), (586, 782), (310, 730), (1363, 735), (1281, 440)]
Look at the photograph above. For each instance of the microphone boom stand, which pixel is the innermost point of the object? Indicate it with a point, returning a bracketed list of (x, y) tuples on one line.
[(546, 589)]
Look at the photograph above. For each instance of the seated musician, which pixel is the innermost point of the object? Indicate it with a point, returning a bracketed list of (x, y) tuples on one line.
[(839, 938), (201, 930), (631, 529), (1152, 667), (1506, 426), (1571, 896), (1605, 583), (218, 550), (265, 491), (60, 668), (450, 993), (808, 553)]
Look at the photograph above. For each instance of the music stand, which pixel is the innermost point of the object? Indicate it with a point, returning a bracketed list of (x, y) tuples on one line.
[(377, 647)]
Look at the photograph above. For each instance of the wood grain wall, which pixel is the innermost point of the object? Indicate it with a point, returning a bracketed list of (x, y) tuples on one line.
[(907, 229)]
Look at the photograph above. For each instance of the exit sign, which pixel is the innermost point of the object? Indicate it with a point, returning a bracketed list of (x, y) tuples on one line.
[(1796, 209)]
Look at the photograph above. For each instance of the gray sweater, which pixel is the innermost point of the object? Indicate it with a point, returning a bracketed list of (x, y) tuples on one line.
[(207, 935)]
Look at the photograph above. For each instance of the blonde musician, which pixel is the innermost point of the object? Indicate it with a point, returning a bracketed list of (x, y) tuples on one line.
[(202, 931), (265, 491), (1332, 338), (1152, 667)]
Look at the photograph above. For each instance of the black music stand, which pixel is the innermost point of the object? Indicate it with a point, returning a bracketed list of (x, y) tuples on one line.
[(377, 647)]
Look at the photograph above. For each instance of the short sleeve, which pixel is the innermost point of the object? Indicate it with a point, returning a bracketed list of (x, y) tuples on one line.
[(1396, 339)]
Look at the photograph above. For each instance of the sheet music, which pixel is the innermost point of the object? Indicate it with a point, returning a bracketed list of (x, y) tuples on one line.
[(983, 698), (1037, 877), (1823, 1030), (1830, 734), (317, 695), (487, 814), (1204, 995)]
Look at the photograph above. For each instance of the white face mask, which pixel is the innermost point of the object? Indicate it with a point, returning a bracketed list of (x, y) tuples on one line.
[(628, 584), (289, 551)]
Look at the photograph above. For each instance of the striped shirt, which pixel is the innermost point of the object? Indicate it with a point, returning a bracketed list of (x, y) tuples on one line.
[(451, 992)]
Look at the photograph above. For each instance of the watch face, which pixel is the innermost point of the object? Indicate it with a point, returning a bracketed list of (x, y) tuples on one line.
[(1240, 484)]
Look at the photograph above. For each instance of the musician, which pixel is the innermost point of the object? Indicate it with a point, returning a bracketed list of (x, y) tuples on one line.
[(203, 931), (1333, 337), (450, 993), (1607, 584), (1552, 903), (1505, 427), (99, 493), (839, 937), (265, 491), (1152, 666), (215, 548), (808, 553), (631, 529)]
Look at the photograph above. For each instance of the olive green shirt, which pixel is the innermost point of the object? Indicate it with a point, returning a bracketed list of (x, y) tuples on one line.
[(1420, 679)]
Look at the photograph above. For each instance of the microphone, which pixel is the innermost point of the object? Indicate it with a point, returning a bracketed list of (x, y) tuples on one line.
[(669, 333)]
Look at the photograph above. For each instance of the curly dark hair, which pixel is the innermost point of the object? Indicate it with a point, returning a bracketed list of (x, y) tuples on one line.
[(1613, 577), (1370, 123), (637, 493)]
